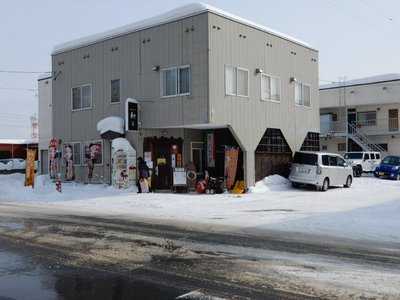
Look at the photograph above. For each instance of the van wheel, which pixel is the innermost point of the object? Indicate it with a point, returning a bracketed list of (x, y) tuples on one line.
[(349, 181), (325, 185)]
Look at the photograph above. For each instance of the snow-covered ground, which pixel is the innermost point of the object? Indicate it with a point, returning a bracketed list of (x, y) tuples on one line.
[(370, 209)]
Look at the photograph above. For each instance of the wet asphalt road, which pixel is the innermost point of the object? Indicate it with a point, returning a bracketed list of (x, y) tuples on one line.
[(27, 275), (24, 267)]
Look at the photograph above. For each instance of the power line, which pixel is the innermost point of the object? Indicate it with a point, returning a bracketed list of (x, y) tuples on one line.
[(18, 89), (23, 72)]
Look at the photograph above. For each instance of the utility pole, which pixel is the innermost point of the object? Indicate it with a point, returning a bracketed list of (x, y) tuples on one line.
[(343, 81)]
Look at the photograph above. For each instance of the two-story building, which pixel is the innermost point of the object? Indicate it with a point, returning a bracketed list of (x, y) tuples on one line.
[(203, 79), (361, 115), (45, 120)]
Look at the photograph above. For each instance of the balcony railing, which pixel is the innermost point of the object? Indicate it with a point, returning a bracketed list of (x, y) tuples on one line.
[(368, 127)]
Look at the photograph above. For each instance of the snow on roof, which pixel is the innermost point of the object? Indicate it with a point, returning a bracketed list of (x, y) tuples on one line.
[(170, 16), (361, 81), (18, 141), (115, 124)]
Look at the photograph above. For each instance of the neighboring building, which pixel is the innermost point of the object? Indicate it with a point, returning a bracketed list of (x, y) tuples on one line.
[(366, 111), (45, 120), (16, 148), (204, 79)]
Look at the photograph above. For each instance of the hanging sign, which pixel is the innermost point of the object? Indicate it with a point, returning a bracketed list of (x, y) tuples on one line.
[(231, 160), (30, 167), (69, 162), (54, 156), (210, 150)]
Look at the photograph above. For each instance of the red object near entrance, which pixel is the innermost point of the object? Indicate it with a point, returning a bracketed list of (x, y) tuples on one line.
[(201, 187)]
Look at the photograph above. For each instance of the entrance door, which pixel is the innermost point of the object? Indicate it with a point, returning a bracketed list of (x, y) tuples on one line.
[(163, 164), (351, 117), (393, 119), (166, 154)]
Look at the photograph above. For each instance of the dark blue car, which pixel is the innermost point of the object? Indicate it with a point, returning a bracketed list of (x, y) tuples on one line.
[(389, 168)]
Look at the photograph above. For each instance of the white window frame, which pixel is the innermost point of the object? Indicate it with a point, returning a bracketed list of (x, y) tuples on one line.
[(270, 95), (83, 152), (91, 97), (248, 81), (226, 86), (178, 94), (302, 94)]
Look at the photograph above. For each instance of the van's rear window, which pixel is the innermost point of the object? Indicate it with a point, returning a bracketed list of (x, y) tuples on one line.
[(305, 158)]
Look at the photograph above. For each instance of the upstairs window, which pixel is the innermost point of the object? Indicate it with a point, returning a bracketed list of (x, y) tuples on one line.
[(302, 94), (115, 91), (270, 88), (366, 118), (82, 97), (175, 81), (236, 81)]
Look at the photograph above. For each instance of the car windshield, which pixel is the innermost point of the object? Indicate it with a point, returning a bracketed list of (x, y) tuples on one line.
[(353, 155), (305, 158), (391, 160)]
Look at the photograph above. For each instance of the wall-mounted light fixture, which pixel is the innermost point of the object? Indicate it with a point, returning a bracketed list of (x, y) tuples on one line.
[(352, 92), (385, 88), (293, 79), (156, 68), (259, 71)]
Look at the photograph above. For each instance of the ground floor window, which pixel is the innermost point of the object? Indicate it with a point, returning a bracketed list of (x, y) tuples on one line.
[(273, 141), (93, 150), (311, 142)]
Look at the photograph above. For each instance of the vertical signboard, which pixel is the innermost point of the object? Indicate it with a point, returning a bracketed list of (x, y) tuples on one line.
[(210, 150), (132, 115), (30, 167), (123, 164)]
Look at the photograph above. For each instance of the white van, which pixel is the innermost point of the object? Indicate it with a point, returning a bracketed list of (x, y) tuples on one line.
[(321, 170), (362, 162)]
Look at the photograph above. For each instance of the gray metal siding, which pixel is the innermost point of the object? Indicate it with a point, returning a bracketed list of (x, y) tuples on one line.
[(166, 45), (250, 117)]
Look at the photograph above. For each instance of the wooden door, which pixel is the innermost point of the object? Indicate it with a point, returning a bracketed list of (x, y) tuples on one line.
[(272, 163), (393, 119)]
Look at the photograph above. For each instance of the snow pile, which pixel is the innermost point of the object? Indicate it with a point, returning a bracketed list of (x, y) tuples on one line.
[(115, 124), (368, 210), (170, 16), (6, 165), (270, 183), (12, 189)]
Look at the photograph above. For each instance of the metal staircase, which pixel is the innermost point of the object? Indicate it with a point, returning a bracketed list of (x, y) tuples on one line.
[(362, 140)]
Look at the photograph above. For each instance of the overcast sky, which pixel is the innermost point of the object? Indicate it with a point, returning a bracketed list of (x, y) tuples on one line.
[(356, 38)]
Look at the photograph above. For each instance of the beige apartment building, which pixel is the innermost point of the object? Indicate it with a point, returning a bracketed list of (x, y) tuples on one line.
[(365, 112)]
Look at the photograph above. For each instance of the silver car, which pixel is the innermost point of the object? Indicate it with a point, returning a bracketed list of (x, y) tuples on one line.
[(321, 170)]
